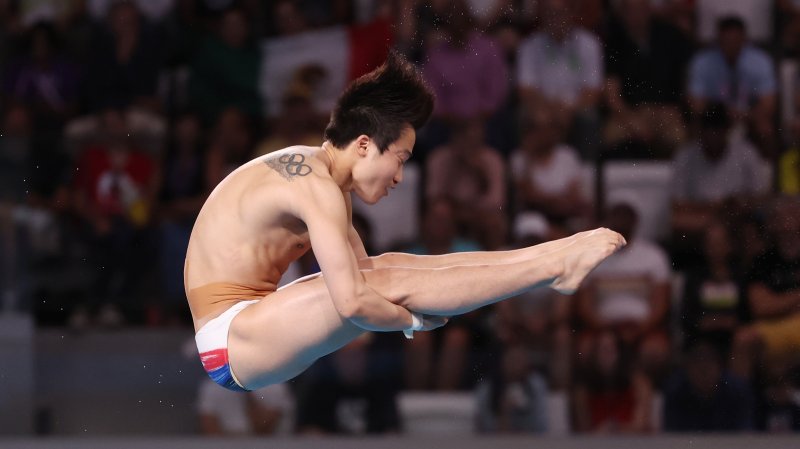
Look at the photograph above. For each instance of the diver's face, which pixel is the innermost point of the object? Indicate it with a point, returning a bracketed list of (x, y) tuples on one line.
[(378, 172)]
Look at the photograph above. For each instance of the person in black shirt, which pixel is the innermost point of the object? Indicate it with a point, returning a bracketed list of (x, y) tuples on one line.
[(645, 60)]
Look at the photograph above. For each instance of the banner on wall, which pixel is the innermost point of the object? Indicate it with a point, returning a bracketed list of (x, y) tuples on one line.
[(327, 59)]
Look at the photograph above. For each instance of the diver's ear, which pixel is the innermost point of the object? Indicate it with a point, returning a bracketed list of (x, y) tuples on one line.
[(362, 144)]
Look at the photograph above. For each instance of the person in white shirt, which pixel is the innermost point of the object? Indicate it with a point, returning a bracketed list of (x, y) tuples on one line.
[(548, 177), (561, 69), (629, 295)]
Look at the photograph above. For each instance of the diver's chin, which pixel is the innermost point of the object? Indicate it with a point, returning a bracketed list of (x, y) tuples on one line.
[(373, 199)]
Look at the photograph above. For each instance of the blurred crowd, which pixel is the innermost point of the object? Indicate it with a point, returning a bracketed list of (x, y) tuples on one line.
[(117, 118)]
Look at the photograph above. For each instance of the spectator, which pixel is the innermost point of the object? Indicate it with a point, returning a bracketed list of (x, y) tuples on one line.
[(646, 59), (704, 397), (455, 69), (539, 320), (560, 69), (681, 14), (185, 28), (548, 176), (471, 175), (114, 189), (183, 189), (751, 237), (789, 166), (354, 390), (774, 294), (739, 75), (788, 15), (439, 235), (125, 61), (15, 154), (756, 15), (34, 214), (11, 29), (714, 300), (44, 80), (221, 412), (611, 395), (153, 11), (515, 398), (231, 145), (777, 408), (76, 31), (227, 413), (14, 171), (716, 175), (224, 70), (298, 123), (629, 296), (418, 26), (766, 351), (789, 161)]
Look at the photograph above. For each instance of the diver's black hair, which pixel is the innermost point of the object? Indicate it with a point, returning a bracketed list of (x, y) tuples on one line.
[(380, 104)]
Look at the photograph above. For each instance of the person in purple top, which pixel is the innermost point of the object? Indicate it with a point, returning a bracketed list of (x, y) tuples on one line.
[(42, 78), (466, 71)]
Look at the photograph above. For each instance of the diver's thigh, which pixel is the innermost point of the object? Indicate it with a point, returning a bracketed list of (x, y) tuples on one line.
[(281, 335)]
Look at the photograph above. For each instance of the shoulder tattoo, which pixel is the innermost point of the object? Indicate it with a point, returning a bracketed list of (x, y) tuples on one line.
[(289, 165)]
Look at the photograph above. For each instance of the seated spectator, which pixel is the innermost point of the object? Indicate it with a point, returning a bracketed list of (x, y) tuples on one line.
[(766, 351), (230, 145), (114, 191), (777, 408), (756, 15), (183, 189), (148, 128), (774, 294), (43, 79), (15, 154), (11, 29), (538, 320), (714, 302), (35, 205), (439, 235), (472, 176), (548, 177), (788, 32), (227, 413), (628, 295), (298, 123), (514, 398), (789, 172), (14, 170), (224, 70), (560, 69), (611, 395), (739, 75), (646, 59), (455, 70), (704, 397), (716, 176), (789, 161), (125, 62), (751, 238), (680, 14), (76, 30), (354, 390), (221, 412)]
